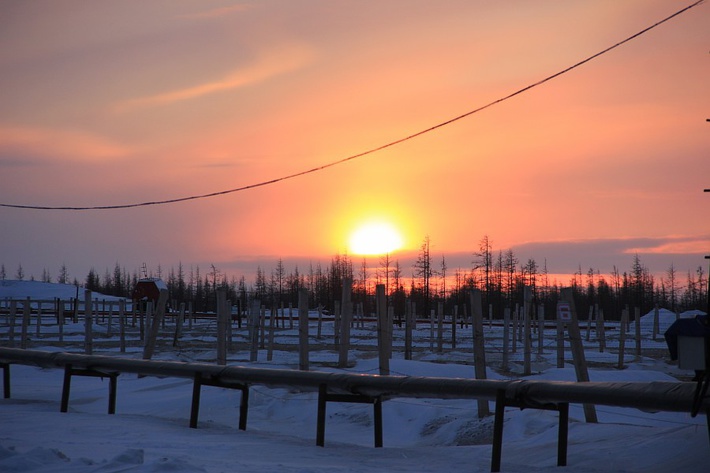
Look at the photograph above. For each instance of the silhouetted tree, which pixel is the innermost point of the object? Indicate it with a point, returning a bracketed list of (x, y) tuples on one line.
[(423, 272)]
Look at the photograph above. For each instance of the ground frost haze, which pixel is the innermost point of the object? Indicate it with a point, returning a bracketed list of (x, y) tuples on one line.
[(149, 432)]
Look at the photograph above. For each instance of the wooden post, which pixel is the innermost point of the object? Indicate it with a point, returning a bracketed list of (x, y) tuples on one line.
[(506, 337), (540, 328), (11, 330), (589, 321), (514, 328), (622, 337), (453, 326), (290, 315), (273, 320), (122, 324), (637, 319), (319, 328), (154, 328), (382, 342), (39, 319), (26, 314), (347, 315), (560, 343), (253, 323), (110, 319), (655, 322), (628, 322), (262, 326), (527, 343), (431, 330), (179, 324), (75, 307), (336, 324), (601, 330), (408, 330), (144, 317), (230, 324), (88, 323), (440, 328), (222, 322), (580, 364), (60, 319), (479, 349), (390, 329), (303, 329)]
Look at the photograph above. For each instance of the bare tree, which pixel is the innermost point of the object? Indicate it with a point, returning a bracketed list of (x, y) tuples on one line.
[(385, 263), (510, 263), (483, 261), (442, 273), (672, 285), (63, 277), (423, 270), (279, 279)]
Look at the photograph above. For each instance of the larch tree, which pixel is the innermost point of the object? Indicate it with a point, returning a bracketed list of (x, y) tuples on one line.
[(423, 271)]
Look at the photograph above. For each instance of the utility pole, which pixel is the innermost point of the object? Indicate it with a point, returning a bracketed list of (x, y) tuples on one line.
[(708, 258), (708, 278)]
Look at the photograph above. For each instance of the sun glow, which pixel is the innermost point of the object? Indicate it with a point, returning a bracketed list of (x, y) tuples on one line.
[(375, 239)]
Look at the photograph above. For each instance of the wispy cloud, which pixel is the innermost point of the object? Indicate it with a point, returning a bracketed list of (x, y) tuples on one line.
[(269, 65), (604, 253), (49, 144), (674, 245)]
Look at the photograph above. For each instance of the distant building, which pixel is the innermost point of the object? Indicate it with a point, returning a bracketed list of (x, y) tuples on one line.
[(148, 289)]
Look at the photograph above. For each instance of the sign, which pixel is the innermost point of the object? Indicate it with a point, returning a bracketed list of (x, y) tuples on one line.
[(564, 312)]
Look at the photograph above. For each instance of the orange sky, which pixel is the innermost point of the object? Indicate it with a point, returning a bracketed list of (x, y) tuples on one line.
[(107, 103)]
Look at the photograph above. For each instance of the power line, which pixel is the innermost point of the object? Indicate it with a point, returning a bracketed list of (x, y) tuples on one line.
[(367, 152)]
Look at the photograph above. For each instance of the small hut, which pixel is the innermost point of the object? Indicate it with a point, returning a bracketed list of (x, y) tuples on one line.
[(148, 289)]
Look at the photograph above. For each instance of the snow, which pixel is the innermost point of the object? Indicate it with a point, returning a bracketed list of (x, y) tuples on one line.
[(149, 432), (36, 290)]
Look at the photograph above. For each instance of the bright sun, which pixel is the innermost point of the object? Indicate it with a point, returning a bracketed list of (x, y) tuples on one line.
[(375, 239)]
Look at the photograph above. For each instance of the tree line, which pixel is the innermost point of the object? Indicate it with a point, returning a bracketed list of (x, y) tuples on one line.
[(499, 275)]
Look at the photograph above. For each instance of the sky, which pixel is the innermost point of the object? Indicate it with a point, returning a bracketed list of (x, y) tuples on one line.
[(114, 103)]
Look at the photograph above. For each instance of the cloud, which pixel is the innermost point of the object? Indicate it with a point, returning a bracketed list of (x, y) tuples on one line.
[(604, 253), (269, 65), (34, 145), (673, 245)]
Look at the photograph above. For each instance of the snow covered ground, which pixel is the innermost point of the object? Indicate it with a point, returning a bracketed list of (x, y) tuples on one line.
[(149, 432)]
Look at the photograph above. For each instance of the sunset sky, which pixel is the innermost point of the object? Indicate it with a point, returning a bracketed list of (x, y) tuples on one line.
[(112, 103)]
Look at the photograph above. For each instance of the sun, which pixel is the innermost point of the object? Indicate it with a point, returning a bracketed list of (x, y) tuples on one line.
[(376, 238)]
